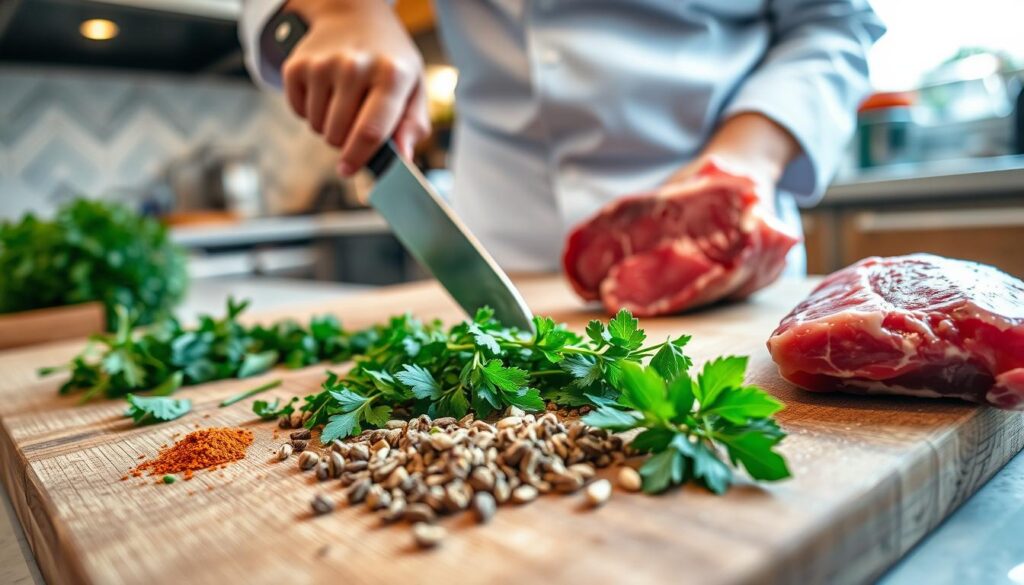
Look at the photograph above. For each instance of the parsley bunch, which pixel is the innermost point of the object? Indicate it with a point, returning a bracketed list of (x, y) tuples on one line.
[(167, 355), (479, 365), (91, 251), (691, 426)]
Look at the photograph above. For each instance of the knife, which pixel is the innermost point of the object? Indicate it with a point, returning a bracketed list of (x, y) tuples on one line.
[(418, 216)]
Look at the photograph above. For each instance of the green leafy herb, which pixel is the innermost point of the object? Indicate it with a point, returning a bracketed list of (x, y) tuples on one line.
[(250, 393), (271, 410), (166, 356), (91, 251), (691, 427), (695, 428), (151, 409), (480, 366)]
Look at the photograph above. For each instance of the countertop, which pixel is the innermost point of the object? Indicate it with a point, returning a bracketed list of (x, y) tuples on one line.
[(991, 176), (280, 229), (979, 543), (907, 182)]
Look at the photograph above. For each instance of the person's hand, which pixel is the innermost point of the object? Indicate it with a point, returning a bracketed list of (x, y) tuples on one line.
[(357, 79), (747, 145)]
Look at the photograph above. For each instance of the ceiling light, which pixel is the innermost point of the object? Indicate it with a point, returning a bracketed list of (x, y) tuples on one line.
[(98, 29)]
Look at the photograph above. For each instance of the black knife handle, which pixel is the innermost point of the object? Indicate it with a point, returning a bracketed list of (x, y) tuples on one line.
[(279, 37)]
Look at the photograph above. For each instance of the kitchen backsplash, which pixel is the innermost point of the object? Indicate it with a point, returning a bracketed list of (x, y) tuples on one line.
[(102, 134)]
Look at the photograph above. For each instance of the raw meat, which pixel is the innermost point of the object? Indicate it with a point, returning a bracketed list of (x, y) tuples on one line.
[(681, 247), (919, 325)]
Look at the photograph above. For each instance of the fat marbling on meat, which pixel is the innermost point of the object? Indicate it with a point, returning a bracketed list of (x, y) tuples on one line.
[(918, 325), (685, 245)]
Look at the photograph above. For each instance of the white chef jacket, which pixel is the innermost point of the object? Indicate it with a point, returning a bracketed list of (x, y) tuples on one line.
[(564, 105)]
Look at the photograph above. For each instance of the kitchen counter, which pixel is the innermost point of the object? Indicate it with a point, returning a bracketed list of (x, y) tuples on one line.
[(978, 543), (266, 230), (967, 178)]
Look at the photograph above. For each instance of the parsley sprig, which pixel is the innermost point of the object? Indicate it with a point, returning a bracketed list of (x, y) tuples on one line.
[(412, 367), (691, 427), (160, 359)]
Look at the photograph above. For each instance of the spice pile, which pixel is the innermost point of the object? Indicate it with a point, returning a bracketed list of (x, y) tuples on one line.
[(202, 449), (417, 470)]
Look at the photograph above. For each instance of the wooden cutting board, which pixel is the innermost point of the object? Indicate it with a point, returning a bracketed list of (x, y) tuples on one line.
[(872, 476)]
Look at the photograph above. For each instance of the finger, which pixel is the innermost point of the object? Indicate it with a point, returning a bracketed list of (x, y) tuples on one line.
[(378, 116), (318, 94), (293, 74), (415, 123), (349, 92)]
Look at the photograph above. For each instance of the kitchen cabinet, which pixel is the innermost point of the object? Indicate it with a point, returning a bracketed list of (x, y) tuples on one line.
[(992, 235), (820, 241), (972, 213)]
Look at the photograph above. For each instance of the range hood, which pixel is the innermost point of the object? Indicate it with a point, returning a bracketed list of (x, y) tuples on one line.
[(223, 9), (184, 36)]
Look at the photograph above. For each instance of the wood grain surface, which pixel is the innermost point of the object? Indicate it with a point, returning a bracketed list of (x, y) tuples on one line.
[(872, 476)]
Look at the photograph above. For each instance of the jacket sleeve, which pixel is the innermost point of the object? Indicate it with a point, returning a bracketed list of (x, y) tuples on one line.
[(255, 14), (811, 81)]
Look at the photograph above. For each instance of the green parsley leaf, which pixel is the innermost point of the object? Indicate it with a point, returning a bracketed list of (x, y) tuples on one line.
[(420, 381), (598, 333), (484, 340), (708, 468), (271, 410), (346, 399), (644, 390), (122, 362), (680, 394), (152, 409), (625, 330), (340, 426), (378, 415), (670, 362), (612, 419), (168, 386), (754, 451), (718, 375), (526, 398), (744, 403), (257, 363), (653, 440), (662, 470), (585, 368), (508, 379), (483, 315)]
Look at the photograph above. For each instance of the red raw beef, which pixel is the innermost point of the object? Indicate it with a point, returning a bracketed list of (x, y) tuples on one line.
[(919, 325), (684, 246)]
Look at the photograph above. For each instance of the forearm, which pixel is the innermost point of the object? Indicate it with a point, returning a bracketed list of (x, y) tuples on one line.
[(754, 141), (810, 82)]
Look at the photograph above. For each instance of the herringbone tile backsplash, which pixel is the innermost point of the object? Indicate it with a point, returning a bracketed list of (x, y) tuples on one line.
[(66, 132)]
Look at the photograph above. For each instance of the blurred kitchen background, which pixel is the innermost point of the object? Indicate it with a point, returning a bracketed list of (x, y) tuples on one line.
[(147, 102)]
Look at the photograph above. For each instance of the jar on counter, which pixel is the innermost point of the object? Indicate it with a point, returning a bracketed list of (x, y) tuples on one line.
[(885, 130)]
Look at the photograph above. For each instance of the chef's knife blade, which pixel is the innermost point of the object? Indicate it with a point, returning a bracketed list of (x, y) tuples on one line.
[(419, 217), (435, 236)]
